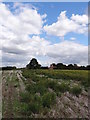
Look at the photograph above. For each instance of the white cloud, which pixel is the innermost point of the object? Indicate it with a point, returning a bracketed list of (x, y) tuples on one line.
[(27, 21), (72, 38), (81, 19), (20, 38), (64, 25), (15, 30), (68, 52)]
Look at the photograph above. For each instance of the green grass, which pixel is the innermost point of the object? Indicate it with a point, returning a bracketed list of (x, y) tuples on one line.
[(58, 81), (76, 90), (65, 74), (15, 80), (48, 99), (76, 75), (63, 87), (32, 103)]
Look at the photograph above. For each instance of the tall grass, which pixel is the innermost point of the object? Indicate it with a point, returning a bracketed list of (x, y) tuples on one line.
[(76, 75), (38, 98)]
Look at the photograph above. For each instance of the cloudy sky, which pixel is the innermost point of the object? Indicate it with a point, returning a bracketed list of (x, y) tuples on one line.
[(50, 32)]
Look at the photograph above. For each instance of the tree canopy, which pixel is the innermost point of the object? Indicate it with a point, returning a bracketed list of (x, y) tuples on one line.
[(33, 64)]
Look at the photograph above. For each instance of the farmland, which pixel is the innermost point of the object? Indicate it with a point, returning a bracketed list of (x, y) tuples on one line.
[(45, 93)]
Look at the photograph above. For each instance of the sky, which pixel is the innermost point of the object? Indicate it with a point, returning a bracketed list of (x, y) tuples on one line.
[(50, 32), (44, 0)]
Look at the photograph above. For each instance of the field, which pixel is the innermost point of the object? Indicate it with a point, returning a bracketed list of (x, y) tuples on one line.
[(45, 93)]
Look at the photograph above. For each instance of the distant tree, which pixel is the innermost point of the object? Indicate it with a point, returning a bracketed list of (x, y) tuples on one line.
[(88, 67), (33, 64), (82, 67), (9, 68), (70, 66), (44, 67), (53, 64), (61, 66), (75, 66)]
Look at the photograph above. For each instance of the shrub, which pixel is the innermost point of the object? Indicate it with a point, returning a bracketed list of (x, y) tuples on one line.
[(24, 108), (31, 103), (76, 90), (34, 107), (86, 82), (48, 99), (41, 87), (25, 97), (37, 98), (31, 88), (52, 84), (58, 94), (63, 87)]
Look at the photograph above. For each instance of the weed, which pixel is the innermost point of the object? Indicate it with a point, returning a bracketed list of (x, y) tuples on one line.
[(63, 87), (48, 99), (25, 97), (76, 90)]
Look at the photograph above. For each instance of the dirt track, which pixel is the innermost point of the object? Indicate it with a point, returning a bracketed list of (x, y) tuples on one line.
[(7, 94), (10, 92), (22, 86)]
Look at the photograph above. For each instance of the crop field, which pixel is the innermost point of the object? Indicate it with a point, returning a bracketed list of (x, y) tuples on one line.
[(45, 93)]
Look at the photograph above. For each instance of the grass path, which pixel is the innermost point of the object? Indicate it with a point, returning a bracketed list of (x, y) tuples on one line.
[(12, 85), (8, 94), (22, 86)]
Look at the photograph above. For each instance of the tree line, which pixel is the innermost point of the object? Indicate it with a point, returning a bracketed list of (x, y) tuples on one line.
[(8, 68), (33, 64)]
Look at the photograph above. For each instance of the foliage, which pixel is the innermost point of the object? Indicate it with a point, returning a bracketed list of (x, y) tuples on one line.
[(48, 99), (25, 97), (43, 86), (76, 75), (33, 64), (76, 90), (63, 87)]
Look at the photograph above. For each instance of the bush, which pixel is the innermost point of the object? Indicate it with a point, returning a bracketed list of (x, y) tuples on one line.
[(37, 98), (48, 99), (24, 108), (41, 89), (31, 88), (76, 90), (86, 82), (35, 104), (52, 84), (25, 97), (63, 87), (34, 107), (31, 103), (58, 94)]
